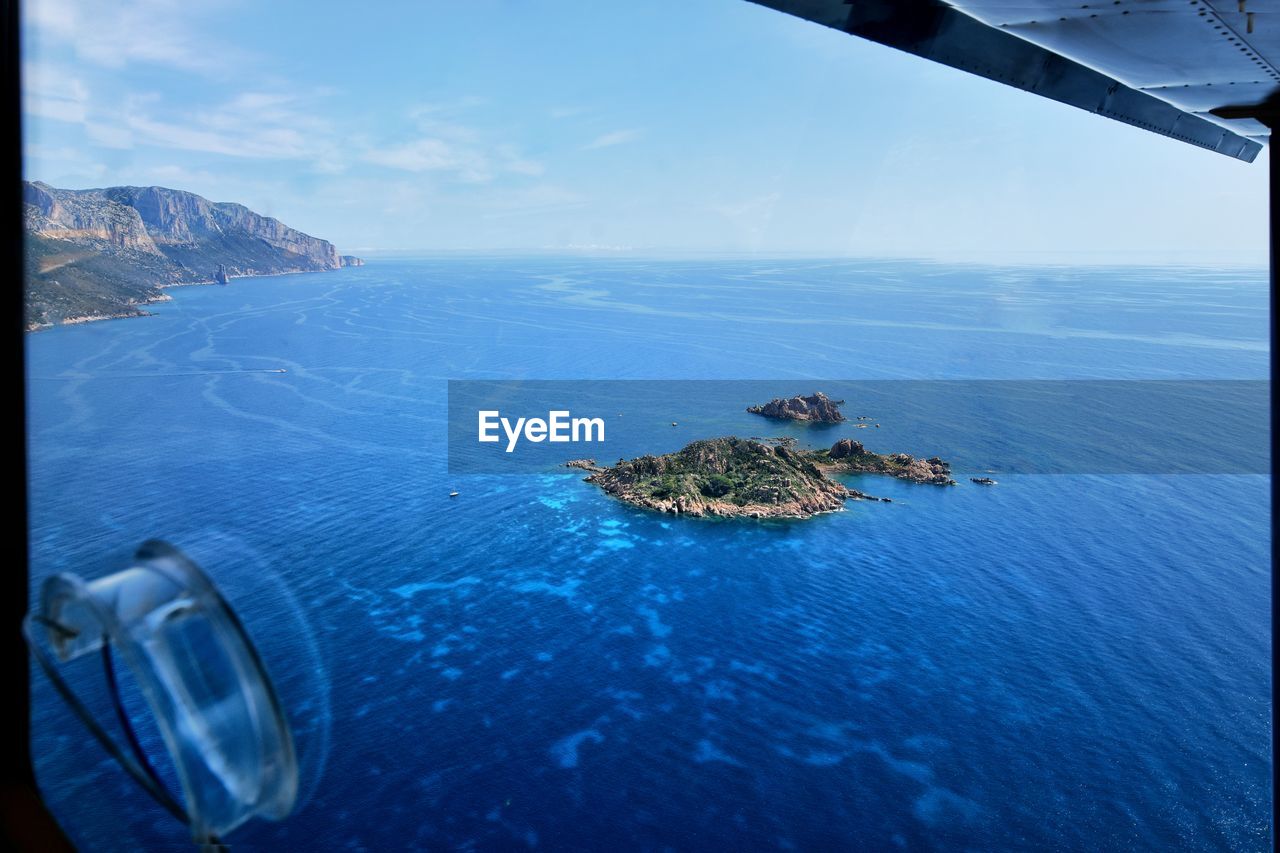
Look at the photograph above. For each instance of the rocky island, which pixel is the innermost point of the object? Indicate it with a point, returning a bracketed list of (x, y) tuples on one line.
[(755, 478), (847, 456), (102, 253), (817, 407)]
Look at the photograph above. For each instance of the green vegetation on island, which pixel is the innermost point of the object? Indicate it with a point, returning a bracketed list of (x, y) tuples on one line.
[(757, 478)]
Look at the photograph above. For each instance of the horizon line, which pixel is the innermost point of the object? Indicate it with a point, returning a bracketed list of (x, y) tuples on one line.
[(1049, 257)]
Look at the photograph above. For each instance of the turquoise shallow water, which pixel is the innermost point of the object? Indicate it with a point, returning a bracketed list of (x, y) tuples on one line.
[(1062, 662)]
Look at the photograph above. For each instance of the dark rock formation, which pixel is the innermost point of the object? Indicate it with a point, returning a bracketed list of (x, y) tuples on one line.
[(100, 253), (850, 457), (863, 496), (817, 407), (845, 448)]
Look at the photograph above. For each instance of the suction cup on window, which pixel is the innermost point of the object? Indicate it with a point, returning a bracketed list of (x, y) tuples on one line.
[(202, 679)]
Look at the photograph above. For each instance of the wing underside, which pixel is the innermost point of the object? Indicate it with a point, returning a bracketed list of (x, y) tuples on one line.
[(1173, 67)]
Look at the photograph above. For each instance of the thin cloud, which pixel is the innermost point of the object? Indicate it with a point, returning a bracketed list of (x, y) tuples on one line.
[(606, 140), (113, 35), (272, 143), (53, 92), (537, 200), (432, 155), (453, 149), (180, 176), (433, 111), (754, 210), (250, 125), (114, 136)]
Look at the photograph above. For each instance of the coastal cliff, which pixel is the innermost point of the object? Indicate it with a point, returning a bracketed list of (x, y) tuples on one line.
[(93, 254)]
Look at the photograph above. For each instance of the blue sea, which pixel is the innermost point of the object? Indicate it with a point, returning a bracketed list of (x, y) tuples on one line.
[(1076, 661)]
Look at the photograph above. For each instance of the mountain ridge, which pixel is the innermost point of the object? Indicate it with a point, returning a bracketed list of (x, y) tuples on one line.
[(105, 252)]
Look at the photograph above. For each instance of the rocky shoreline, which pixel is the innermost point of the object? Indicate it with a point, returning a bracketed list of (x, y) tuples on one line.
[(753, 478), (847, 456), (133, 311)]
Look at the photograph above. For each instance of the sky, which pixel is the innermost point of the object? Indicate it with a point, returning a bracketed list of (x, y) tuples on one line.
[(662, 127)]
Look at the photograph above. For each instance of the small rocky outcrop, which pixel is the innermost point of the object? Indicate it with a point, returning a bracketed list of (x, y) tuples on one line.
[(850, 457), (856, 495), (817, 408), (846, 447), (931, 470), (221, 275)]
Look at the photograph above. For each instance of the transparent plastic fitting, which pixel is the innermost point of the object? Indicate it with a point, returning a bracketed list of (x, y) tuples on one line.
[(213, 702)]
